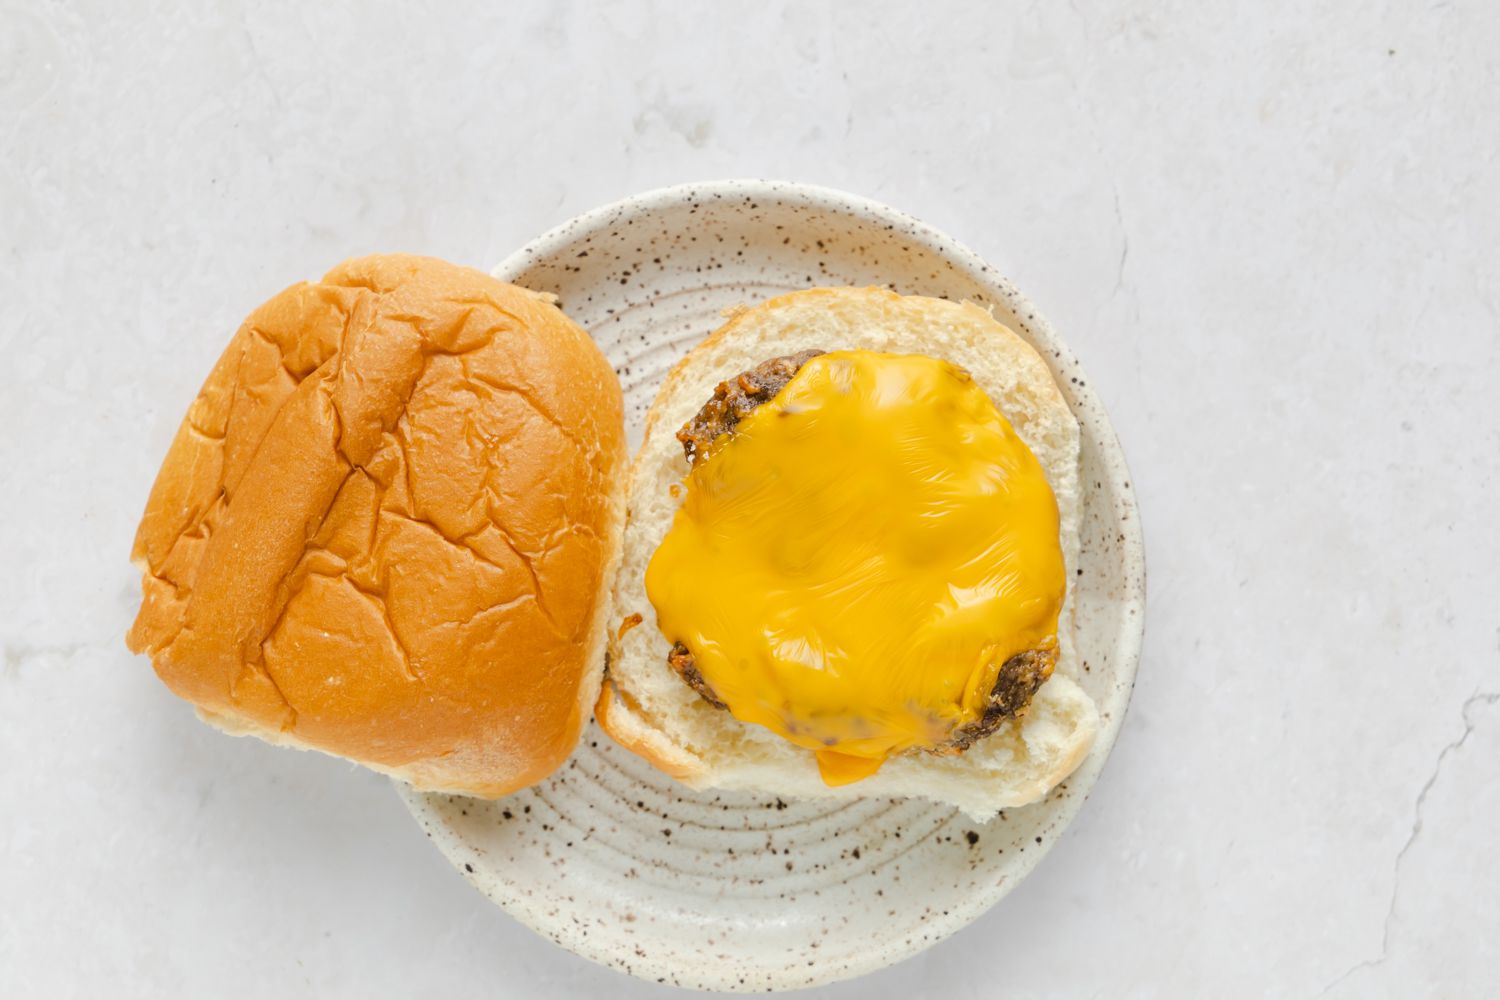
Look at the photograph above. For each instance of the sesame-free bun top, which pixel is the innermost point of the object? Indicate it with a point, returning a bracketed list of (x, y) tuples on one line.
[(384, 525)]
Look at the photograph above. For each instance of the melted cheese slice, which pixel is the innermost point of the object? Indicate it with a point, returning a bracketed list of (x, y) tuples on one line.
[(853, 565)]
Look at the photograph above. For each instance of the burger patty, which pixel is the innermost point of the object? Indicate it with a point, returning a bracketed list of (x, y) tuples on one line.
[(734, 400), (1018, 680), (681, 660)]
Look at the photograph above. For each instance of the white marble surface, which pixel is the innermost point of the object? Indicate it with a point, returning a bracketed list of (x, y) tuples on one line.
[(1268, 231)]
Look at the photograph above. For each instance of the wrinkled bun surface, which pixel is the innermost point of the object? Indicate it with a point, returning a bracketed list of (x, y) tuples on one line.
[(383, 527), (647, 708)]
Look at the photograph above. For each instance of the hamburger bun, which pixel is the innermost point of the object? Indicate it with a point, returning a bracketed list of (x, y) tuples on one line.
[(648, 708), (386, 525)]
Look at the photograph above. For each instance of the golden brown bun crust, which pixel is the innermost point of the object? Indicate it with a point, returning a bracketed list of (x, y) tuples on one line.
[(384, 525)]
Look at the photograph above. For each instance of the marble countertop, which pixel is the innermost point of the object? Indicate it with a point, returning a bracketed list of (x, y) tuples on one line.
[(1268, 230)]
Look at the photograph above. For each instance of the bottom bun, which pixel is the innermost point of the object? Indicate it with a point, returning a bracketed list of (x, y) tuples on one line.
[(648, 709)]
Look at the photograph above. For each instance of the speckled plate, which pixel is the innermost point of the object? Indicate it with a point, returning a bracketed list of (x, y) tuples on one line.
[(617, 862)]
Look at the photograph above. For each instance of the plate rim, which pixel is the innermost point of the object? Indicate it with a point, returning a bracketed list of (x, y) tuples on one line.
[(1086, 407)]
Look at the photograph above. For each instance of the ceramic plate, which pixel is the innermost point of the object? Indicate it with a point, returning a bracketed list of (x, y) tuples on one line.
[(615, 861)]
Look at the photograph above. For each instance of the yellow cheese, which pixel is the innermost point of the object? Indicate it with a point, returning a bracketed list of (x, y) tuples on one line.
[(853, 565)]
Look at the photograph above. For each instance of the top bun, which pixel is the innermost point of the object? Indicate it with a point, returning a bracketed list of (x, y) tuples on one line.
[(384, 525)]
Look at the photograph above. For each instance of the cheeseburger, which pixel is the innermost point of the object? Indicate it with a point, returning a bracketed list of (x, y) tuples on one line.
[(395, 525), (849, 534)]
